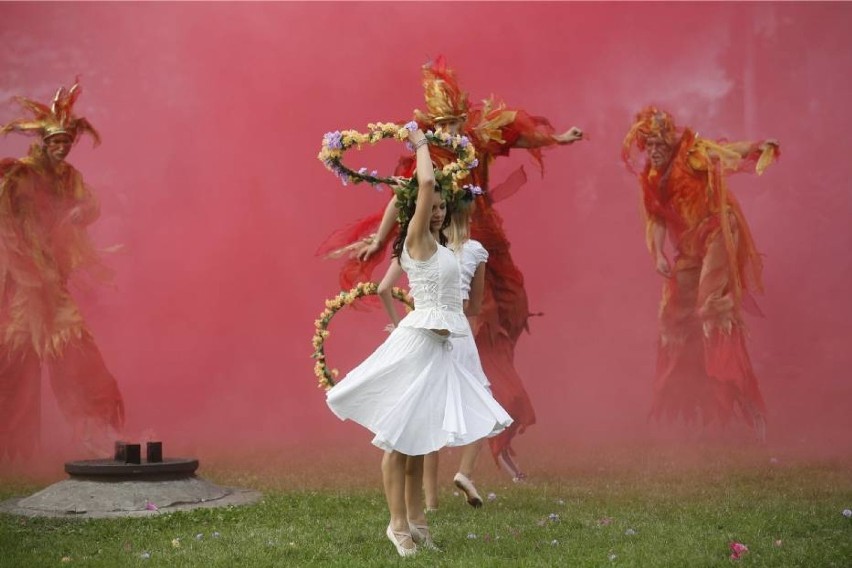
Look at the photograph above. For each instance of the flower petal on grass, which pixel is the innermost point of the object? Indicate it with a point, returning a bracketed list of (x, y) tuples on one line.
[(738, 549)]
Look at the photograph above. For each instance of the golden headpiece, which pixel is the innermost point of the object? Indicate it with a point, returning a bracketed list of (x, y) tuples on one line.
[(58, 118), (444, 99)]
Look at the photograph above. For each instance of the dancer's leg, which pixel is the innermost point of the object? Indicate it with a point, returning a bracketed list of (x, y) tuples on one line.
[(430, 480), (393, 479)]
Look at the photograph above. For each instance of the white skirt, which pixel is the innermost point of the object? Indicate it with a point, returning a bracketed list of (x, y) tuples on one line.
[(415, 395), (465, 351)]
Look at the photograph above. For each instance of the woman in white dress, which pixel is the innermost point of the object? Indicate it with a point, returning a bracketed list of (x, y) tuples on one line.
[(411, 392), (471, 256)]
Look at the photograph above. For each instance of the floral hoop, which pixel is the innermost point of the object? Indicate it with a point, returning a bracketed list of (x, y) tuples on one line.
[(334, 144), (325, 376)]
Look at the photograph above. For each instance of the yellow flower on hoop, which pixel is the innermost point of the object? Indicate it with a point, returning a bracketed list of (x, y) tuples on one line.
[(325, 377)]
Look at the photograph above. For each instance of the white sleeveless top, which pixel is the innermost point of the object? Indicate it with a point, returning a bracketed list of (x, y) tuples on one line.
[(435, 286), (472, 255)]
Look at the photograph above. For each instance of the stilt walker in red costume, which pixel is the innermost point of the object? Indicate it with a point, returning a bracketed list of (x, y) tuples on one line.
[(703, 367), (45, 209), (494, 130)]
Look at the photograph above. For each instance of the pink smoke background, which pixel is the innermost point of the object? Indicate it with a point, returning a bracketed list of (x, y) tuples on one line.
[(212, 116)]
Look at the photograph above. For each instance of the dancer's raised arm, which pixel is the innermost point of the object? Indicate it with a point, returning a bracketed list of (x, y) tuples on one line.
[(421, 245)]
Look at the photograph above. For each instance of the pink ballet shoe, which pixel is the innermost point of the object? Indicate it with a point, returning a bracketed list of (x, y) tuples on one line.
[(398, 539), (422, 537), (466, 485), (509, 466)]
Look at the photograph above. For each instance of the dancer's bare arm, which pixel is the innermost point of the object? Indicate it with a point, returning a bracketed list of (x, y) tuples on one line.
[(388, 219), (420, 243), (386, 289), (473, 304)]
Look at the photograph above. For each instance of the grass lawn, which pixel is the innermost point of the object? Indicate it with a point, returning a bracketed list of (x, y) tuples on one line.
[(611, 507)]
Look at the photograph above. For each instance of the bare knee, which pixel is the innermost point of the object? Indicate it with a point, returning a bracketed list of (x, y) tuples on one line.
[(413, 465)]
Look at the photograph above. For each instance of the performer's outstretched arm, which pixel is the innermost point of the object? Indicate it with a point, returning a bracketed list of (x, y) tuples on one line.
[(739, 156), (570, 136), (385, 227), (746, 149)]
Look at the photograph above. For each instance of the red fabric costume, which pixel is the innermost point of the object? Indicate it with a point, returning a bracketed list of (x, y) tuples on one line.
[(703, 365), (44, 210), (494, 130)]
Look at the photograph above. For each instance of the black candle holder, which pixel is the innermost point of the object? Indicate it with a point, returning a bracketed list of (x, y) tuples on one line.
[(154, 452), (134, 454), (120, 451)]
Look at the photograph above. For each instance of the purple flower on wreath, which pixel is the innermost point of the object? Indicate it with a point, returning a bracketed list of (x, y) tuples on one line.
[(334, 140), (408, 146), (464, 141), (473, 164), (473, 189), (362, 171), (411, 126)]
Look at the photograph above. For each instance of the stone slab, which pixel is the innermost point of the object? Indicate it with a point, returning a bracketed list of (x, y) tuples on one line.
[(94, 498)]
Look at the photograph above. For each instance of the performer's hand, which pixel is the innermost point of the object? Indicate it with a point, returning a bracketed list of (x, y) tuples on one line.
[(663, 267), (769, 142), (368, 250), (570, 136), (399, 181), (75, 215)]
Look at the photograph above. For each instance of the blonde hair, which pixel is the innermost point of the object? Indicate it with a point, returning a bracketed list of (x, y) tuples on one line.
[(458, 233)]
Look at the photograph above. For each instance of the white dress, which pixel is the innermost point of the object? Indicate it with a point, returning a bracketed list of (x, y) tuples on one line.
[(412, 393), (471, 255)]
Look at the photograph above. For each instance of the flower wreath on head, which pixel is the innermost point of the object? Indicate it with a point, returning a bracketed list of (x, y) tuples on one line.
[(326, 377), (334, 144)]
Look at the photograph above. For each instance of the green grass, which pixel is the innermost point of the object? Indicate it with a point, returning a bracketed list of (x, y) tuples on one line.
[(684, 507)]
